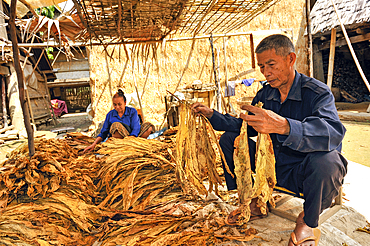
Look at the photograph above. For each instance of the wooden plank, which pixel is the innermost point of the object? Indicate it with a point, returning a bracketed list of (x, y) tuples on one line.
[(283, 214), (4, 71), (318, 67), (330, 212), (331, 57), (342, 41)]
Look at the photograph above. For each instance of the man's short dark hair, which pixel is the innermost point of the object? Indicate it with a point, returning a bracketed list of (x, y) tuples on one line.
[(282, 44)]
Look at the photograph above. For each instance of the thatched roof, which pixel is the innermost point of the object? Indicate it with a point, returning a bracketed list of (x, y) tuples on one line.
[(144, 20), (353, 13)]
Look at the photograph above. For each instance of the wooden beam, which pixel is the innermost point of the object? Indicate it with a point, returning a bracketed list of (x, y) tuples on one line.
[(20, 78), (331, 57), (342, 41)]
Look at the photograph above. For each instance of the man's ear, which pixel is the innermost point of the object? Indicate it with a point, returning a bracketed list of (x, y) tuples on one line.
[(292, 58)]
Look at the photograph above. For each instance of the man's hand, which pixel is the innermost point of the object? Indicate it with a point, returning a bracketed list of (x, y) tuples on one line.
[(265, 121), (201, 109)]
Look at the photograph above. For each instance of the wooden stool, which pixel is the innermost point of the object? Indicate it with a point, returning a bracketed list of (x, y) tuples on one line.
[(336, 206)]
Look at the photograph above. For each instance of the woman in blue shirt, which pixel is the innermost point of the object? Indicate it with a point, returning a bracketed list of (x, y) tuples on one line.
[(121, 121)]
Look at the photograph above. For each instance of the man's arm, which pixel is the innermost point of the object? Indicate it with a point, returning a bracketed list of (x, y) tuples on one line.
[(220, 122), (322, 131)]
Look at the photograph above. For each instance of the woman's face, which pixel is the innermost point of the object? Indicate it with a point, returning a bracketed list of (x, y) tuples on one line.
[(119, 105)]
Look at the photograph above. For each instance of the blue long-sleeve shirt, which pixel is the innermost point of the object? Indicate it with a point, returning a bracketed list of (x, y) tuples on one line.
[(130, 118), (312, 116)]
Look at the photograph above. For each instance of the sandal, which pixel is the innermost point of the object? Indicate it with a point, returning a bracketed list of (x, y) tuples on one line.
[(315, 237)]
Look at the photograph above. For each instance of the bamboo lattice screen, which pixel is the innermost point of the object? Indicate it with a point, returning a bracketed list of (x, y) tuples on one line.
[(151, 20)]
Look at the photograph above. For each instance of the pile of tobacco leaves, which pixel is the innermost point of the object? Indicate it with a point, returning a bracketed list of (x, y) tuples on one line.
[(125, 193)]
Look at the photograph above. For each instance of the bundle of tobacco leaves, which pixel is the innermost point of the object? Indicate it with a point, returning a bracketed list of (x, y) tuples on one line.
[(195, 154), (148, 228), (138, 173), (48, 199), (55, 166), (265, 178)]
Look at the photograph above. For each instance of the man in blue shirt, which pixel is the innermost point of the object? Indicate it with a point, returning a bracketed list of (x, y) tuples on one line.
[(299, 114)]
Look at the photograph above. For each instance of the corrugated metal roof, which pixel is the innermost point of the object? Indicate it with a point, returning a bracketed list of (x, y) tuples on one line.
[(324, 18)]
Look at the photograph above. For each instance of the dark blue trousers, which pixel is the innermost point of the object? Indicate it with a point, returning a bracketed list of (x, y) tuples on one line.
[(318, 176)]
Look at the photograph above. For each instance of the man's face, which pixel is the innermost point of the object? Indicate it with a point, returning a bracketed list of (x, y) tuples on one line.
[(277, 69)]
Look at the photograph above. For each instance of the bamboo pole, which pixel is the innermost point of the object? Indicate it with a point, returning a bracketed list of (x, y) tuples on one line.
[(182, 75), (109, 76), (351, 48), (137, 91), (215, 73), (20, 77), (54, 44), (331, 57), (226, 78), (218, 82), (146, 80), (3, 96)]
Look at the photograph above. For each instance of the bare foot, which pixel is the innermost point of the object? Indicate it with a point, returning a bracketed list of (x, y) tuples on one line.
[(303, 235), (255, 213)]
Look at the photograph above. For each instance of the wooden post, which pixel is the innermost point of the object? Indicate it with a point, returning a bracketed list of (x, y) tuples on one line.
[(3, 97), (318, 69), (252, 50), (48, 100), (309, 36), (331, 57), (20, 77)]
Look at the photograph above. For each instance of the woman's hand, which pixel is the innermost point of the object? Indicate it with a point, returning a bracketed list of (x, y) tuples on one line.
[(201, 109), (265, 121), (89, 148), (92, 146)]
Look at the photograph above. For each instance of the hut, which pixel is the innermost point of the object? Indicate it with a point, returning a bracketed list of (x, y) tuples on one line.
[(343, 75), (37, 72)]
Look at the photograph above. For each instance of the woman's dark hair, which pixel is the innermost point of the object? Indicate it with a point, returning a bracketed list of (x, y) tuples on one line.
[(120, 93)]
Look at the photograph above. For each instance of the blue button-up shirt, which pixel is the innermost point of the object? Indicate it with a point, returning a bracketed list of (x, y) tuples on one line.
[(129, 117), (312, 116)]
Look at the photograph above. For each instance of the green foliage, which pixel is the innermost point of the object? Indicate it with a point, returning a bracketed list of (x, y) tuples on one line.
[(46, 11), (49, 52)]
